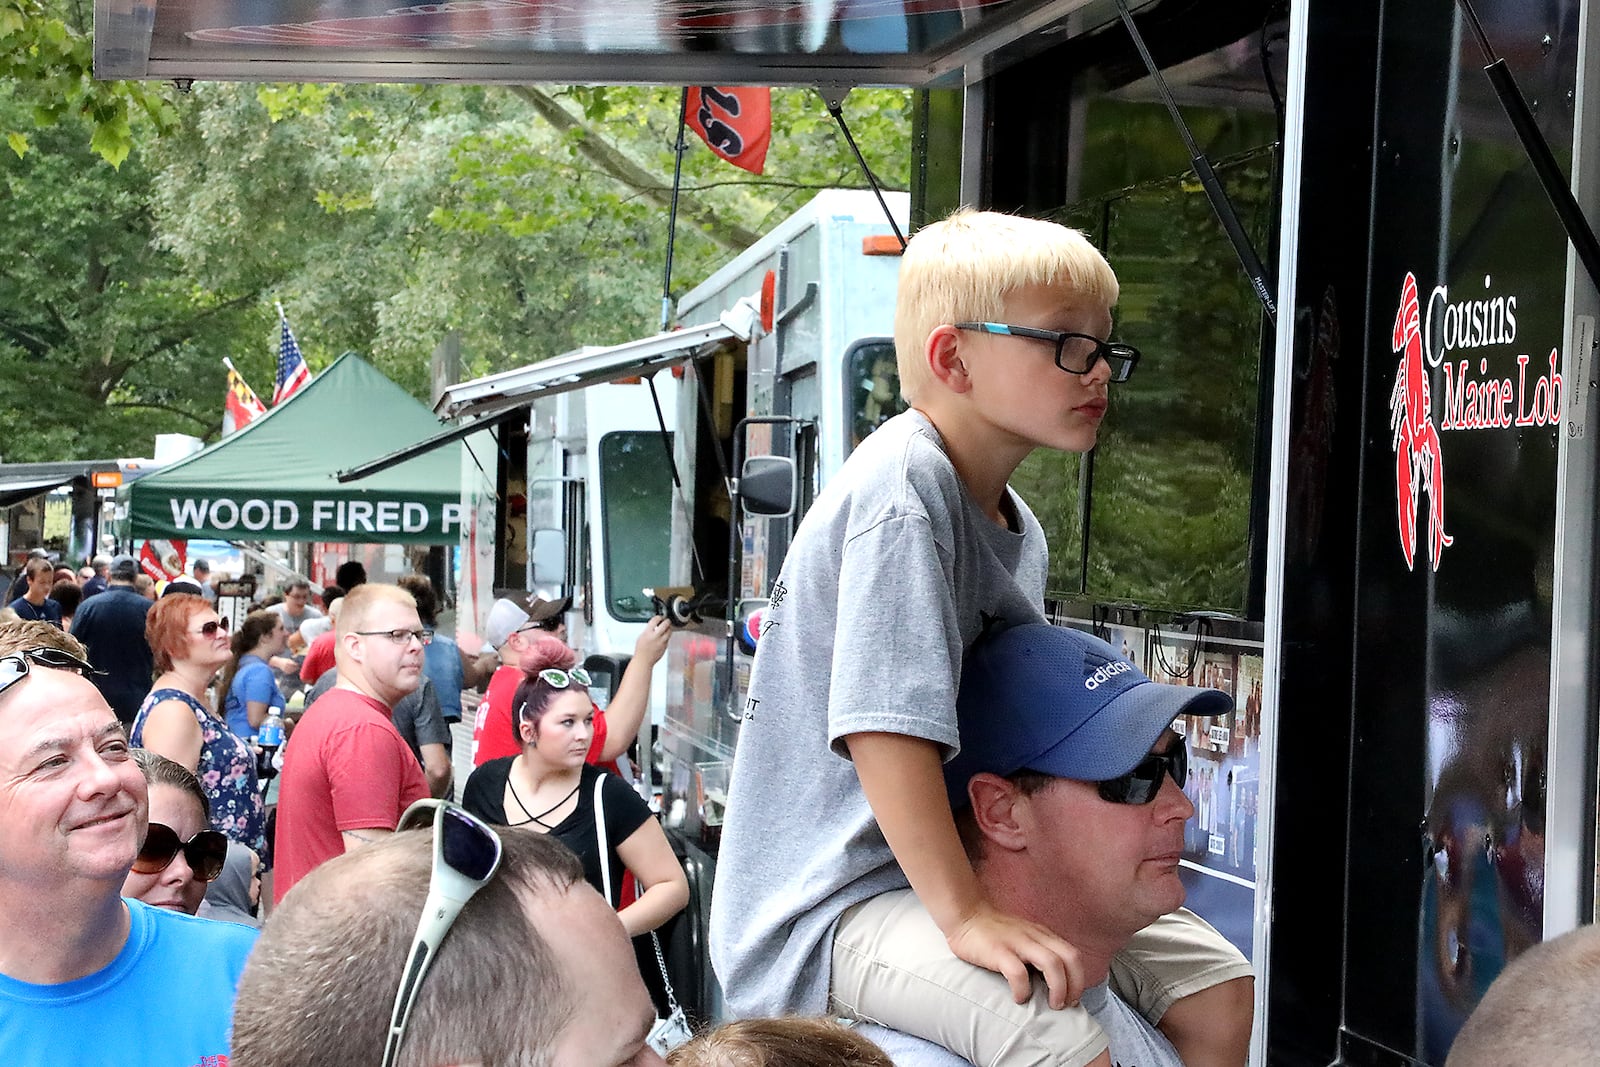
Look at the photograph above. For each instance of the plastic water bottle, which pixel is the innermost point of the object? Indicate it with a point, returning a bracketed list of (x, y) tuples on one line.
[(270, 734)]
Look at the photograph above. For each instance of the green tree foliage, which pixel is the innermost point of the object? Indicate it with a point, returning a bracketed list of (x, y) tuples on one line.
[(381, 216), (1170, 485), (397, 213), (101, 334), (45, 58)]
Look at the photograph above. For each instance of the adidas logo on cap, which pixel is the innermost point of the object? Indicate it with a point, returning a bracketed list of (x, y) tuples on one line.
[(1105, 674)]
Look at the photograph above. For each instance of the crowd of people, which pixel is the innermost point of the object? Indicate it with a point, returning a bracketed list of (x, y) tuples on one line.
[(953, 841)]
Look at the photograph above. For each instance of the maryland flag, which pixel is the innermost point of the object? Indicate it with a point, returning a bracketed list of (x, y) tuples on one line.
[(735, 122), (242, 404)]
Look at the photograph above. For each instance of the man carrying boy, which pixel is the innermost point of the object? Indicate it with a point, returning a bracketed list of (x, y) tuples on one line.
[(908, 556), (1069, 800)]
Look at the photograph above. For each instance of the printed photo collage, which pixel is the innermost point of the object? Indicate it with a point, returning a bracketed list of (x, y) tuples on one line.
[(1224, 750)]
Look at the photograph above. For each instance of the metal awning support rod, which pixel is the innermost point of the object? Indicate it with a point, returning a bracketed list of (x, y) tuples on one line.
[(1538, 151), (1208, 178), (672, 215), (834, 99)]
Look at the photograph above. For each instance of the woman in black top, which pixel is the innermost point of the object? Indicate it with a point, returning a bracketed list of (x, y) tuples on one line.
[(549, 788)]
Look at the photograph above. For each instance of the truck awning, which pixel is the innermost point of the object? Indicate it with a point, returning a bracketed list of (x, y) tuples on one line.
[(666, 42), (594, 366), (427, 444), (16, 490), (23, 481)]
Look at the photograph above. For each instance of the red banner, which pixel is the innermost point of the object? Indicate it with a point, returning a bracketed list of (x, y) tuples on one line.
[(164, 560), (735, 122)]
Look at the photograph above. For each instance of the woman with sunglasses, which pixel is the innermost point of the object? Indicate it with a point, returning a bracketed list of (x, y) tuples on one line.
[(249, 688), (181, 853), (550, 789), (190, 643)]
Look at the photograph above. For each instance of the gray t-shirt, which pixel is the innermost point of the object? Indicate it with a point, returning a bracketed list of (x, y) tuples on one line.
[(291, 622), (893, 574), (1134, 1042)]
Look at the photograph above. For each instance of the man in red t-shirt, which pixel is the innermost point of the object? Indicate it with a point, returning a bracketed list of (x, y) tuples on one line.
[(521, 623), (348, 775), (515, 623)]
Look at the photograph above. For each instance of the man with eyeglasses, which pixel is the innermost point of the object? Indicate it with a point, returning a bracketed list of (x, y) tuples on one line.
[(347, 773), (459, 944), (87, 977), (1068, 795)]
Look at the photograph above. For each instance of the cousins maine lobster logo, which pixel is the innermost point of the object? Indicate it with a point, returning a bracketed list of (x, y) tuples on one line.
[(1450, 337), (1419, 461)]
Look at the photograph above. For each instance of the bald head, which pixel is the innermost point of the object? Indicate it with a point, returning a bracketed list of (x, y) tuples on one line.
[(1542, 1008), (374, 650)]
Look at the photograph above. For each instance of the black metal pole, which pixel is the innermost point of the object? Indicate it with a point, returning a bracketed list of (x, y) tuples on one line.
[(1220, 203), (672, 212), (835, 105), (1537, 149)]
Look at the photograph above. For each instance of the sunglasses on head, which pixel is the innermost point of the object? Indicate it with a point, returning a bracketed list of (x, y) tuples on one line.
[(15, 667), (205, 852), (466, 853), (556, 678), (1140, 785)]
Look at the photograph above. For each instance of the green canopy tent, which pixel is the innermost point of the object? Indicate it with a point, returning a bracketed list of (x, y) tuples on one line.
[(274, 479)]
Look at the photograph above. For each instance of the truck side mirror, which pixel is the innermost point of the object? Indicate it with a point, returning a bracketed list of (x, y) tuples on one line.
[(769, 486), (549, 557)]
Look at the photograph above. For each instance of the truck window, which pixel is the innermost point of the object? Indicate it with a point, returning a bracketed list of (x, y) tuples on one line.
[(636, 517), (873, 379)]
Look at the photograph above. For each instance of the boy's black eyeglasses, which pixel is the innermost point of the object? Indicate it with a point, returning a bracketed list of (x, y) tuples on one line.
[(1076, 353), (205, 852), (14, 668), (466, 853), (1140, 785)]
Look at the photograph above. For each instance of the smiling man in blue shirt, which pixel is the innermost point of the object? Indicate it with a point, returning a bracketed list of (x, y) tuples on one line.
[(87, 977)]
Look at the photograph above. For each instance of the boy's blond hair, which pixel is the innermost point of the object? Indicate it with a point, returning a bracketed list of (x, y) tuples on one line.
[(963, 268)]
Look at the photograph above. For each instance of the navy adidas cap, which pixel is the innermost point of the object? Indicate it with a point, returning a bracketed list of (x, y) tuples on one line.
[(1058, 701)]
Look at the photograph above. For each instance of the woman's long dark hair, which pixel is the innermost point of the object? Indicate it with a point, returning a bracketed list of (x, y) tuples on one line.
[(257, 625)]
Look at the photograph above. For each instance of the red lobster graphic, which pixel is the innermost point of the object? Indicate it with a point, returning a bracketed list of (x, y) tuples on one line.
[(1419, 462)]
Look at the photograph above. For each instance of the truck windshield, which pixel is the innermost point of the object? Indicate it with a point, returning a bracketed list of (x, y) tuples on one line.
[(636, 511), (873, 380)]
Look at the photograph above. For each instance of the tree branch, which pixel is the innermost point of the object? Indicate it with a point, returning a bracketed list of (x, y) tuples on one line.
[(594, 147), (148, 405)]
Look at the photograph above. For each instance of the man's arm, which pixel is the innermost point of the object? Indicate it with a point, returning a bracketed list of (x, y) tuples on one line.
[(904, 786), (477, 670), (354, 839), (432, 734), (366, 774), (436, 767)]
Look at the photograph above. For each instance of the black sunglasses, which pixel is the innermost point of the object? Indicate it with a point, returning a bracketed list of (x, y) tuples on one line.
[(1080, 357), (1140, 785), (209, 629), (205, 852), (15, 667)]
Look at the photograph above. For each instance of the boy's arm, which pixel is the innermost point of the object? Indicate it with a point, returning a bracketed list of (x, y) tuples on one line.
[(904, 785)]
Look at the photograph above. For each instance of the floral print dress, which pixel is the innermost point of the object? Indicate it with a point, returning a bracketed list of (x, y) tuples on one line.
[(227, 772)]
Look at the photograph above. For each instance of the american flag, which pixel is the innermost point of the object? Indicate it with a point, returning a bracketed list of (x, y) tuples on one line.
[(293, 373)]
